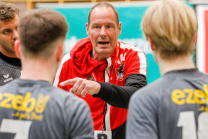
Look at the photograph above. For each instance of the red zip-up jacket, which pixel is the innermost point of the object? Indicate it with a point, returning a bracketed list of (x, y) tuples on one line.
[(119, 75)]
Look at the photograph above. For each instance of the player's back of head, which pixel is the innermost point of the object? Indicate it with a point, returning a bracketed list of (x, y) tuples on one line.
[(171, 25), (39, 30)]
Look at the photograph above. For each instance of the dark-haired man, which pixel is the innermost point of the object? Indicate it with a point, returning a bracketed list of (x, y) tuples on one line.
[(10, 65), (104, 71), (30, 107)]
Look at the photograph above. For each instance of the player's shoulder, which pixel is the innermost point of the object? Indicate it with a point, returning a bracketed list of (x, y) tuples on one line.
[(7, 66), (153, 92), (170, 81), (68, 98)]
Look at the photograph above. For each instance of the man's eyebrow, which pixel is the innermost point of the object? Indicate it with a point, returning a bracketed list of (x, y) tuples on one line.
[(110, 23), (6, 29), (95, 24)]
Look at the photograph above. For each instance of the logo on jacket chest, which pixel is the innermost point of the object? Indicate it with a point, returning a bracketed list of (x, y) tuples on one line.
[(120, 72), (90, 78)]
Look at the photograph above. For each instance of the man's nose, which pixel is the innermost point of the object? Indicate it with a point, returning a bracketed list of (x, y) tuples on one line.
[(16, 35), (103, 32)]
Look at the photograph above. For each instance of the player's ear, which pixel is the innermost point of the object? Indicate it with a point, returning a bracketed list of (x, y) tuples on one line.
[(87, 29), (152, 44), (195, 38), (60, 51), (17, 49)]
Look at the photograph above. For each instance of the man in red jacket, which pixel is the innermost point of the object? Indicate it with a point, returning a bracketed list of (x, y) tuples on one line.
[(104, 72)]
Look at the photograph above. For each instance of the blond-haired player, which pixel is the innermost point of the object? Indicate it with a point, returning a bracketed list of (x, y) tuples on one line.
[(175, 106)]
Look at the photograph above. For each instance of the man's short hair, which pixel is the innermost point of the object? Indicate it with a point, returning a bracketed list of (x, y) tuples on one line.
[(39, 29), (105, 5), (171, 25), (8, 11)]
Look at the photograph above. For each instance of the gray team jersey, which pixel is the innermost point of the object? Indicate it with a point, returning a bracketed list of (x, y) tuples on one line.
[(173, 107), (8, 72), (37, 110)]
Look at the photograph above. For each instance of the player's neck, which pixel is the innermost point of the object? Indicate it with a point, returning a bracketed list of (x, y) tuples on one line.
[(37, 70), (178, 64)]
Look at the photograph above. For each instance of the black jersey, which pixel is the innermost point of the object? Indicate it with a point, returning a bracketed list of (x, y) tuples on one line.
[(37, 110), (173, 107), (10, 69)]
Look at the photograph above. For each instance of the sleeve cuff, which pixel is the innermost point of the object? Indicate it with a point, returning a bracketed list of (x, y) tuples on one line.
[(104, 92)]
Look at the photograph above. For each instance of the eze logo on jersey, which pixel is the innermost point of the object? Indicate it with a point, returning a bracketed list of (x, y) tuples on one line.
[(191, 96), (27, 107), (120, 73)]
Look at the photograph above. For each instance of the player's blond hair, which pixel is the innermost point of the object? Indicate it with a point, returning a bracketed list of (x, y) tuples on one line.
[(171, 25)]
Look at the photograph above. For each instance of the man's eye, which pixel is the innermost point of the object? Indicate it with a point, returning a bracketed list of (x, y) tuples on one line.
[(6, 31)]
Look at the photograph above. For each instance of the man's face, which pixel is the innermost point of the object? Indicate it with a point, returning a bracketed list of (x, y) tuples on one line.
[(103, 31), (8, 36)]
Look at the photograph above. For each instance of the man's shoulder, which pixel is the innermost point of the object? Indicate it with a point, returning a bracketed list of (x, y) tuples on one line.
[(66, 58), (8, 72), (128, 46), (7, 65)]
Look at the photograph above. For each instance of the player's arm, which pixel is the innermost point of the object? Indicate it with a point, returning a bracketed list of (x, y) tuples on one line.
[(141, 122), (119, 96), (79, 121)]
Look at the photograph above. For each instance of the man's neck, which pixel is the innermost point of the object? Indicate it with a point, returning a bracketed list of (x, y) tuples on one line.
[(99, 57)]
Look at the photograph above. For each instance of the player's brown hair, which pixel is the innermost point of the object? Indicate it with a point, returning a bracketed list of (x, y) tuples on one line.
[(39, 29), (171, 25), (105, 5), (8, 11)]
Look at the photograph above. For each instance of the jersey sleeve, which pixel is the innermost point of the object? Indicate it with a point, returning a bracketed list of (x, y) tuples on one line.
[(141, 121), (79, 121)]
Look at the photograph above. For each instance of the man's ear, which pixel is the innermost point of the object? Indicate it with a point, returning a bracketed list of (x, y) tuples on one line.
[(119, 27), (152, 44), (87, 29), (17, 49), (60, 51)]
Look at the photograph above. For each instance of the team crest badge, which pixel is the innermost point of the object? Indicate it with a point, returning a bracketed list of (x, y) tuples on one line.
[(90, 78), (120, 73)]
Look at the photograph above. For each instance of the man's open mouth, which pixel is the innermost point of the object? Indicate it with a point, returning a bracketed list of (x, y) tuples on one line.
[(104, 42)]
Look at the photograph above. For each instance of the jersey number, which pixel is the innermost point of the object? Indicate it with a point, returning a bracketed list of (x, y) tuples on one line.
[(187, 121), (21, 128)]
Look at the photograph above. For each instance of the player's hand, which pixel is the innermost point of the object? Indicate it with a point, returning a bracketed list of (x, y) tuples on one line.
[(82, 86)]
